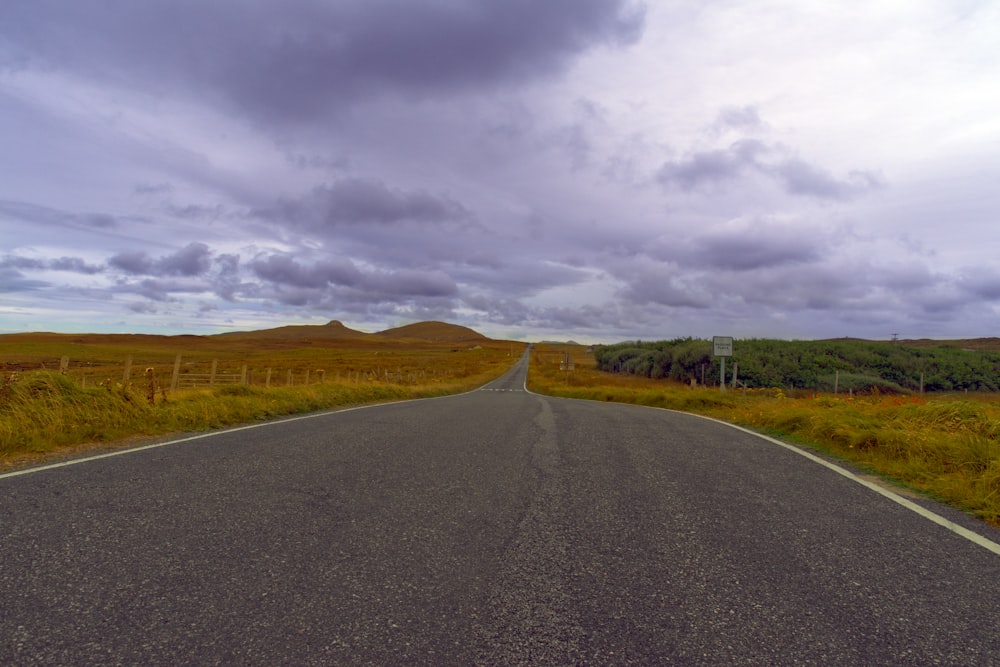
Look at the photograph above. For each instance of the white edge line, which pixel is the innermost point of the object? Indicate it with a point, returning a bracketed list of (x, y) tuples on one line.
[(970, 535), (209, 434)]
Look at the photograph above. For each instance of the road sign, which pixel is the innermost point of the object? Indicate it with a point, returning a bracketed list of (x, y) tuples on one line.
[(722, 346)]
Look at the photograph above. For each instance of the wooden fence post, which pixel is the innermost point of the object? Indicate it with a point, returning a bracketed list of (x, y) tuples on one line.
[(243, 375), (176, 377), (63, 365), (307, 376), (289, 382), (267, 379), (127, 374), (215, 369)]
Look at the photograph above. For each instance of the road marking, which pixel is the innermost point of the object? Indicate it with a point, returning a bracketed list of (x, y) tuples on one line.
[(970, 535), (209, 434)]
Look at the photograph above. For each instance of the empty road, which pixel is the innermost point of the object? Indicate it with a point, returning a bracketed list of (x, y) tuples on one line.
[(498, 527)]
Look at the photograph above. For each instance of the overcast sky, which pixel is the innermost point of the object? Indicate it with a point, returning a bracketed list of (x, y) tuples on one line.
[(590, 169)]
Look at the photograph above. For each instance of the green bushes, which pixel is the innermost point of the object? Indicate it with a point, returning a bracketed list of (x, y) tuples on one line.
[(841, 365)]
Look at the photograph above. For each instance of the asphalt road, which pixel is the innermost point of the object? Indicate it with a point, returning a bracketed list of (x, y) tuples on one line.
[(497, 528)]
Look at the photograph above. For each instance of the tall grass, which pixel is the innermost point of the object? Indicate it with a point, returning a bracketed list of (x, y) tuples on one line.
[(45, 414), (946, 446)]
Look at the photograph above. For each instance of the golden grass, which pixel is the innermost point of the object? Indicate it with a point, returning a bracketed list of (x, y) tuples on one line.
[(945, 446), (45, 414)]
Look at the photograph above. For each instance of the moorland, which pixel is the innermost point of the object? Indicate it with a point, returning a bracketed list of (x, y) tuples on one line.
[(64, 393), (920, 414)]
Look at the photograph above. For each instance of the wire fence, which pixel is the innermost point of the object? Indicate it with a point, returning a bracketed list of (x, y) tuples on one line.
[(200, 373)]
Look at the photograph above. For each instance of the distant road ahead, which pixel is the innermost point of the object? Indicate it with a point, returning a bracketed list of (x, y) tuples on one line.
[(497, 527)]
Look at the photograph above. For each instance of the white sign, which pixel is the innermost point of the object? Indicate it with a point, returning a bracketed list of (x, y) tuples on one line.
[(722, 346)]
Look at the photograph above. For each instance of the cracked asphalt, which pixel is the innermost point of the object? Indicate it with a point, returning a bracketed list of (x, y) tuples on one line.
[(497, 527)]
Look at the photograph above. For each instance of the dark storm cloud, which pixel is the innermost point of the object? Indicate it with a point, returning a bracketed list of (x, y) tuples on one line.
[(192, 260), (355, 200), (300, 59), (747, 157)]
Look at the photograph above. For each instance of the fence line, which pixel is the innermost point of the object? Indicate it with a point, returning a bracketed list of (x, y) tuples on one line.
[(187, 374), (197, 376)]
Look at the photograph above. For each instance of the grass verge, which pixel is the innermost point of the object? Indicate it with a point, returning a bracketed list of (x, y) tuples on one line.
[(945, 446), (46, 415)]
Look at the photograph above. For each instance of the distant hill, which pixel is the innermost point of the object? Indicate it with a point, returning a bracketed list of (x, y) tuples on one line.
[(287, 336), (332, 329), (438, 332)]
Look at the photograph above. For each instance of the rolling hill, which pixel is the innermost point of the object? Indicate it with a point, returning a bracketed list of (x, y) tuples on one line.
[(437, 332)]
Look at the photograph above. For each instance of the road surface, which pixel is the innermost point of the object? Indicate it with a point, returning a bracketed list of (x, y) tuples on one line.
[(498, 527)]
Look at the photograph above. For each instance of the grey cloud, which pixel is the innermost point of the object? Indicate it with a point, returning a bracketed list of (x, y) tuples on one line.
[(15, 262), (354, 201), (74, 265), (192, 260), (194, 211), (748, 252), (662, 283), (12, 280), (712, 166), (100, 220), (520, 278), (408, 282), (981, 283), (153, 189), (134, 262), (754, 245), (227, 282), (300, 59), (745, 118), (284, 270), (143, 308), (802, 178), (44, 215), (750, 156)]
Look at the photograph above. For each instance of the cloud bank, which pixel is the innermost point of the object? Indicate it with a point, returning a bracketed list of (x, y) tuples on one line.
[(588, 169)]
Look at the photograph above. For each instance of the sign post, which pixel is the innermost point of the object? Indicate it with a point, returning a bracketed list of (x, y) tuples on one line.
[(722, 347)]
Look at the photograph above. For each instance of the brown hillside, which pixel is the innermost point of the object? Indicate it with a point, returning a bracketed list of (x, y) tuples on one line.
[(332, 329), (438, 332), (987, 344)]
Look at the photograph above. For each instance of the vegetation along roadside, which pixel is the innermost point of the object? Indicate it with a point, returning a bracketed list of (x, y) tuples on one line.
[(945, 445), (64, 395)]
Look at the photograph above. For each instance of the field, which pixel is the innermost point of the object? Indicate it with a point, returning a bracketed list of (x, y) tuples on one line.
[(120, 387), (946, 446), (117, 390)]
